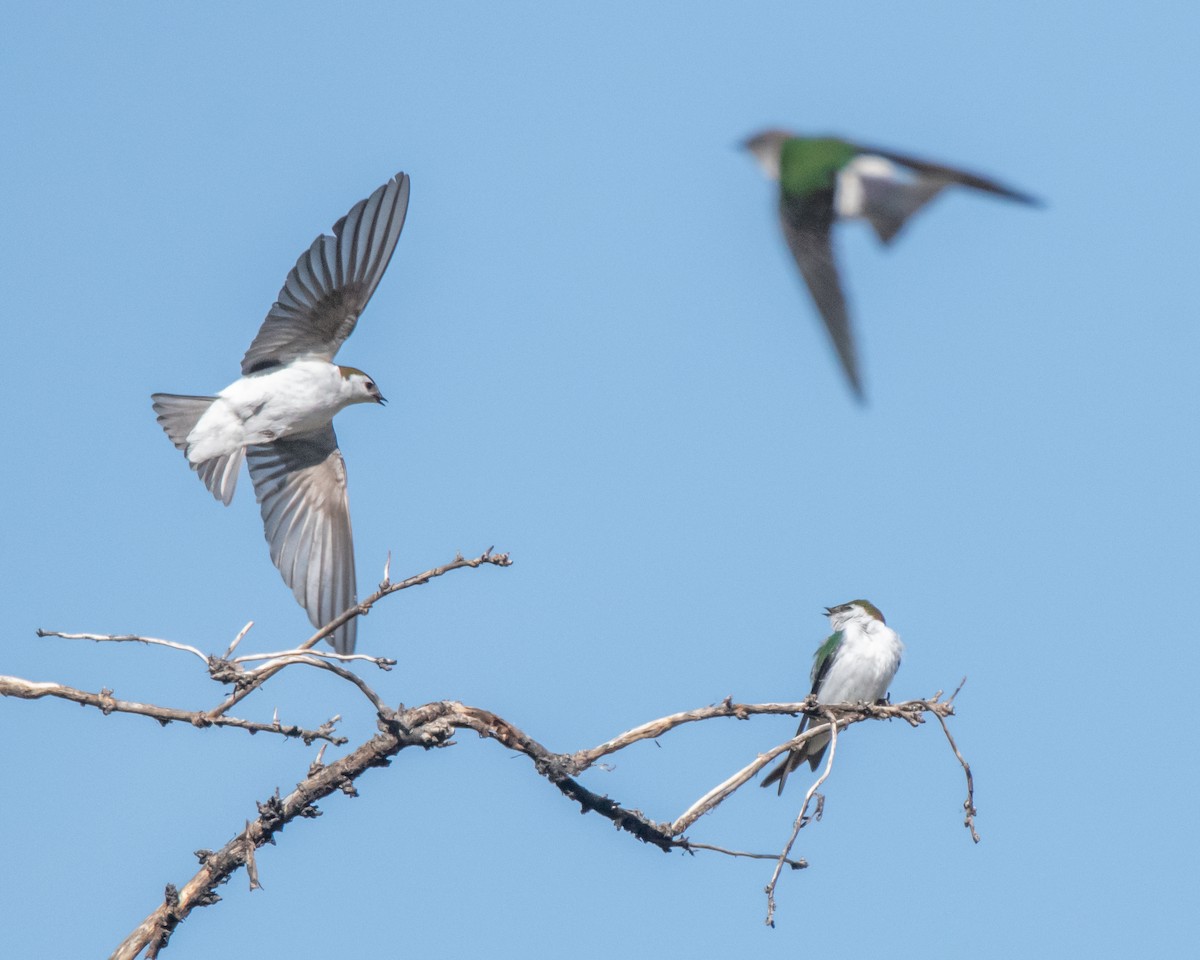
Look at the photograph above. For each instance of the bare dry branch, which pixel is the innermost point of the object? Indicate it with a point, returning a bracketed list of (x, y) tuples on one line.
[(558, 769), (425, 727), (264, 673), (656, 728), (794, 864), (386, 588), (433, 725), (245, 681), (383, 663), (969, 803), (802, 818), (106, 704), (717, 794), (238, 639), (123, 638), (309, 659)]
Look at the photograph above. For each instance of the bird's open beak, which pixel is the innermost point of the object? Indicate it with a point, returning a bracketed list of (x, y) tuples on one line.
[(381, 400), (829, 611)]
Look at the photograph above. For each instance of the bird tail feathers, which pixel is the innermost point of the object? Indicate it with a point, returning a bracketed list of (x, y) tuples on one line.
[(780, 773), (888, 205), (811, 750), (220, 474), (178, 416)]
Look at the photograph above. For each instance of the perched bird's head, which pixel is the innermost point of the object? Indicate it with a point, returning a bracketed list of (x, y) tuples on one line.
[(861, 610), (362, 387), (767, 147)]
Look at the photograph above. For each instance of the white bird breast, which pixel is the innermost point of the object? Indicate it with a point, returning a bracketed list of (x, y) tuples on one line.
[(865, 665), (298, 398)]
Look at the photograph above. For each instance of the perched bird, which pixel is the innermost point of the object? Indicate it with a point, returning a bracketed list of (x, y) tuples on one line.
[(855, 663), (823, 179), (279, 415)]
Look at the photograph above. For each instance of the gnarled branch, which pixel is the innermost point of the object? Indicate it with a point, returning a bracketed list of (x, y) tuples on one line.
[(433, 725)]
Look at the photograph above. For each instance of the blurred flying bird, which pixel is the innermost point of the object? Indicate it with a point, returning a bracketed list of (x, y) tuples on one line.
[(823, 179)]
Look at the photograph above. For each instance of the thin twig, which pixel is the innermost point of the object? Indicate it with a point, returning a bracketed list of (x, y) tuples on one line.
[(909, 711), (123, 638), (106, 704), (309, 659), (654, 729), (717, 794), (383, 663), (794, 864), (263, 674), (387, 588), (969, 803), (801, 819), (238, 639)]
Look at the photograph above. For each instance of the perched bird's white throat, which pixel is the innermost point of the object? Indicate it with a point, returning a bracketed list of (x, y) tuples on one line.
[(856, 663)]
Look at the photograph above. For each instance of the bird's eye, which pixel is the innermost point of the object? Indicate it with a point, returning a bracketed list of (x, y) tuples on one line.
[(370, 385)]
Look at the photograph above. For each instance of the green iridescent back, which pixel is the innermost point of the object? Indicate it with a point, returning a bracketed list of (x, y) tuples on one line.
[(806, 165)]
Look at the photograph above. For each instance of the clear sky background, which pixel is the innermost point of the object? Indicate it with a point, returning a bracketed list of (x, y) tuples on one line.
[(600, 358)]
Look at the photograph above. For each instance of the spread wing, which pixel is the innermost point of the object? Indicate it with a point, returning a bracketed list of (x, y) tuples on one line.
[(807, 221), (331, 282), (939, 171), (300, 483)]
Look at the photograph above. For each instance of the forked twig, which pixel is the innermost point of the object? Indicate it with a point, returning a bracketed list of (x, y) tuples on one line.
[(802, 818), (264, 673)]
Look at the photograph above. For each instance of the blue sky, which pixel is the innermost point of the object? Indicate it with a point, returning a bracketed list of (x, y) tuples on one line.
[(599, 358)]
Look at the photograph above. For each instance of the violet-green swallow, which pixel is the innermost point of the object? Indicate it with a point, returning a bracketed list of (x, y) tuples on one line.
[(279, 415), (823, 179), (855, 663)]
